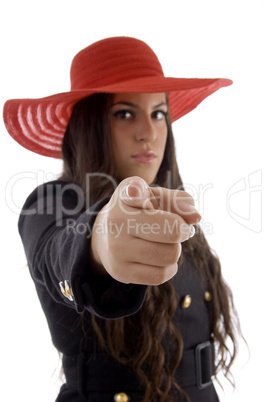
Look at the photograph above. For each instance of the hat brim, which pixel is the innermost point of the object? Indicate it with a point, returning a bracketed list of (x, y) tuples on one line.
[(39, 124)]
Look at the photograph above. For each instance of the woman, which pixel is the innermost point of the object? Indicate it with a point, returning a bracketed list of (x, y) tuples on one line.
[(102, 243)]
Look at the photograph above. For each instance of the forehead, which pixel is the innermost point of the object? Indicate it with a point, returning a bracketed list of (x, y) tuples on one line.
[(140, 98)]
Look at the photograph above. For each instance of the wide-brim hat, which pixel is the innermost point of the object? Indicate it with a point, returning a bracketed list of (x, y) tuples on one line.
[(113, 65)]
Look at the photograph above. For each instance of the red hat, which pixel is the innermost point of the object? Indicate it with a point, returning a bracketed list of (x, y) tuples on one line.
[(112, 65)]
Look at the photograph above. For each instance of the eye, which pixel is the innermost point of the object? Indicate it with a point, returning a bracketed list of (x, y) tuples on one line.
[(123, 114), (159, 114)]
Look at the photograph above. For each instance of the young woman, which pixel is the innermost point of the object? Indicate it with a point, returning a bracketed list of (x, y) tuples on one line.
[(133, 296)]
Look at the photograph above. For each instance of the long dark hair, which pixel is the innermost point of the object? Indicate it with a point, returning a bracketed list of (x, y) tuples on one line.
[(87, 149)]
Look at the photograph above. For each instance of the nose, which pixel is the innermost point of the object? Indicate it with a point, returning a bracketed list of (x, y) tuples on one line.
[(146, 131)]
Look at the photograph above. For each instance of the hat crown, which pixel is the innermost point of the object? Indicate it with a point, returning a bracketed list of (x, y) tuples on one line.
[(113, 65), (113, 60)]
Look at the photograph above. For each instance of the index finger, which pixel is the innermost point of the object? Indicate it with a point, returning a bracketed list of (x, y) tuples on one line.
[(177, 202)]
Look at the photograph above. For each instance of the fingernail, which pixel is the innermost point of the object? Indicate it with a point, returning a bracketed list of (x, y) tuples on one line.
[(127, 192), (135, 189), (192, 231)]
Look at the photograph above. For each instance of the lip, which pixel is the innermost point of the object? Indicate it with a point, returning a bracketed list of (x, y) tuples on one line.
[(145, 156)]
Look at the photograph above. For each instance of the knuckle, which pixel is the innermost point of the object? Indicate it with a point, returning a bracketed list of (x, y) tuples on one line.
[(178, 231), (172, 254), (164, 274), (176, 252), (160, 255), (185, 231)]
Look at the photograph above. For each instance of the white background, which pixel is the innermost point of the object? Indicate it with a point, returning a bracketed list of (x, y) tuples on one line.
[(219, 146)]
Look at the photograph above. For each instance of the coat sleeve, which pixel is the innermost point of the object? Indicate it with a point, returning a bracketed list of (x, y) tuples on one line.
[(56, 232)]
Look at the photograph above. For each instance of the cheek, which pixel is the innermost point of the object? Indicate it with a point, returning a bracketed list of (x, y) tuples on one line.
[(116, 141), (120, 146)]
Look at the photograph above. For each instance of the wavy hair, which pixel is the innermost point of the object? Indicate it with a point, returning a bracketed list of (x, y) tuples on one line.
[(87, 148)]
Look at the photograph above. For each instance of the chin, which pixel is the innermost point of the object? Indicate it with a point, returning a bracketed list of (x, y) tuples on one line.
[(149, 180), (148, 177)]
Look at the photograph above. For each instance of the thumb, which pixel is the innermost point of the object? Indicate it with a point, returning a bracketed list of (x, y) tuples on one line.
[(136, 193)]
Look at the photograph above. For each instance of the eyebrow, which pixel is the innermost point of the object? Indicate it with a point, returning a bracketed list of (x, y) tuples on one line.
[(133, 105)]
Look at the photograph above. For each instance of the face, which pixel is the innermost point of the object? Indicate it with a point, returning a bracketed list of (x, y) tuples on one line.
[(139, 133)]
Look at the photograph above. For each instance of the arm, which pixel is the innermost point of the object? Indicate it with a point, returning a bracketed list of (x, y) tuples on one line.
[(56, 235)]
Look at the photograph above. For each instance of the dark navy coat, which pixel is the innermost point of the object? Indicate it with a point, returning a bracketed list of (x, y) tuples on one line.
[(55, 231)]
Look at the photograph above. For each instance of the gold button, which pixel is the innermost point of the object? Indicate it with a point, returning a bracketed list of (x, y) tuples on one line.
[(68, 291), (208, 296), (62, 289), (121, 397), (186, 302)]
